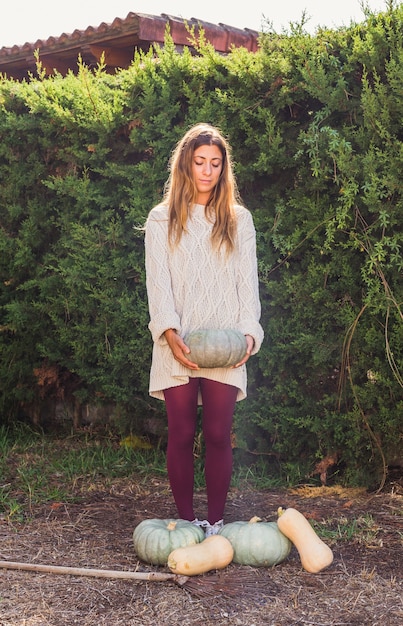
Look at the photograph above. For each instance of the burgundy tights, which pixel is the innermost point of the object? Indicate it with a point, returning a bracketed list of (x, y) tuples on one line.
[(218, 409)]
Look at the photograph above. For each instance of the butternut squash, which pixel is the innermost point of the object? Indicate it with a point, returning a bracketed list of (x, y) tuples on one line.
[(215, 552), (315, 555)]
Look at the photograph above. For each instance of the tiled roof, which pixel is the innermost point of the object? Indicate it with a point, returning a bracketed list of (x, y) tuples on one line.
[(117, 41)]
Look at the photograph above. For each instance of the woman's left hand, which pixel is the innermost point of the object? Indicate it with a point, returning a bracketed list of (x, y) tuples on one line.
[(250, 343)]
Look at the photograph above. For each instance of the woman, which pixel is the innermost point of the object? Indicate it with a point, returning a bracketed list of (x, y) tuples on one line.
[(201, 273)]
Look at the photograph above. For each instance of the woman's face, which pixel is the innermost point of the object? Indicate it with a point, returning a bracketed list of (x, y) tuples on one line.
[(206, 168)]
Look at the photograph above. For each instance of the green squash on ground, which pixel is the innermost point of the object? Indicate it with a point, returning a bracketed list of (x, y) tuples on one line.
[(257, 543), (216, 347), (155, 539)]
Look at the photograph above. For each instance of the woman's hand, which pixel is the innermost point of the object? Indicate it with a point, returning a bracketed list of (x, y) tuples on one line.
[(179, 349), (250, 342)]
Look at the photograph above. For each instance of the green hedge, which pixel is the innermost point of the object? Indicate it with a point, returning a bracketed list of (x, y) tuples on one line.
[(315, 125)]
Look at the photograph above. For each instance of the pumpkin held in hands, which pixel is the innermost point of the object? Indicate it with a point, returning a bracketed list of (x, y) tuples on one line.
[(154, 539), (216, 347), (257, 543)]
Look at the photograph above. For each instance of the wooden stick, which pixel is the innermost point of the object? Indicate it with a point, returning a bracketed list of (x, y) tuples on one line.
[(97, 573)]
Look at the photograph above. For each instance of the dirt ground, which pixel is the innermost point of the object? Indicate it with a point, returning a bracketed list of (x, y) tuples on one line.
[(364, 585)]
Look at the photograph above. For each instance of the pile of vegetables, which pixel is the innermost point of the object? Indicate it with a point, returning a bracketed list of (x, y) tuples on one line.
[(181, 545)]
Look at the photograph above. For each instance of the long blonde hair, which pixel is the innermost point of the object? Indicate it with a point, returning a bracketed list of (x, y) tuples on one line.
[(181, 192)]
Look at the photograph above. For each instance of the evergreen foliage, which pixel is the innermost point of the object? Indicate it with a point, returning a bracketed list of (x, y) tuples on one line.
[(315, 125)]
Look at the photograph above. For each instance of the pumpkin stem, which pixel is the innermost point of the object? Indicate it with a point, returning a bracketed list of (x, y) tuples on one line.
[(255, 519), (171, 525), (280, 511)]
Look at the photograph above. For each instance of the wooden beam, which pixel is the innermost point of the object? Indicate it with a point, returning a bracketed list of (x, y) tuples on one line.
[(51, 63), (115, 57)]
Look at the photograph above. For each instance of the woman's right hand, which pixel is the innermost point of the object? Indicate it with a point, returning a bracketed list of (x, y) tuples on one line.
[(179, 349)]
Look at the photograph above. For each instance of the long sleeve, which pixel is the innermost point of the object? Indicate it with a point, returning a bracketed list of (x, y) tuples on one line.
[(248, 283), (158, 278)]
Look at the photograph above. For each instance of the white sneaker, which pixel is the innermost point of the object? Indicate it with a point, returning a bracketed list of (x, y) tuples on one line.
[(214, 529), (209, 529), (202, 523)]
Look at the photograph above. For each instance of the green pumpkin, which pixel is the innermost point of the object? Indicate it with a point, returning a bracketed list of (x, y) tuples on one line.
[(216, 347), (154, 539), (257, 543)]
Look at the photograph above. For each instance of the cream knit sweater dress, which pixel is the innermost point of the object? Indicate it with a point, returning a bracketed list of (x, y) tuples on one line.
[(191, 287)]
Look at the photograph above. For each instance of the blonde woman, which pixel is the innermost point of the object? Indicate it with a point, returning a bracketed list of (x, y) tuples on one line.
[(201, 272)]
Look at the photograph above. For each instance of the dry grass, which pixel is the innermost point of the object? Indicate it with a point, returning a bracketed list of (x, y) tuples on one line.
[(363, 586)]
